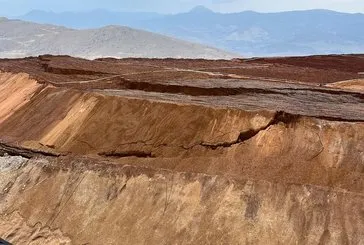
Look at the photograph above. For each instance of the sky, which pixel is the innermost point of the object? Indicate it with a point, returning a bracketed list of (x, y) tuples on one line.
[(19, 7)]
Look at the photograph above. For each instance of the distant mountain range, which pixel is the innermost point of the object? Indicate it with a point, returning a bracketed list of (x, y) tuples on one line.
[(248, 33), (21, 38)]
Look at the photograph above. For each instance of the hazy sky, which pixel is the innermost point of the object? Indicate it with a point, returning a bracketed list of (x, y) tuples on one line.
[(17, 7)]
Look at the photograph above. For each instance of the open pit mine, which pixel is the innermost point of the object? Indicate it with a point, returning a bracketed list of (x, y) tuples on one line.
[(165, 151)]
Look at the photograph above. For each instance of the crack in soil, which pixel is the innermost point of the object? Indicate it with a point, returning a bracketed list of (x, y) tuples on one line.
[(122, 154), (279, 117), (24, 152)]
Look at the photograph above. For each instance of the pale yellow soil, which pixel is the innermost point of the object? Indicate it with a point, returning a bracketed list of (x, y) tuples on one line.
[(355, 85), (15, 91)]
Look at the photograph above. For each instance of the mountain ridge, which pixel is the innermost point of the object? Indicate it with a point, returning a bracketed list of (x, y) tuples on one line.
[(249, 33), (23, 38)]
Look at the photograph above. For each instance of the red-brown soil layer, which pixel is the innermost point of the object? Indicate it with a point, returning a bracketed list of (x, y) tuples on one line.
[(313, 69)]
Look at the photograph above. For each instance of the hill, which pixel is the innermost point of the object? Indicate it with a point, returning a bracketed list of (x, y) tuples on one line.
[(19, 39), (248, 33)]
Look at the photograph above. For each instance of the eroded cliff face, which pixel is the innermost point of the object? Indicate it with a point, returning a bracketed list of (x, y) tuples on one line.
[(76, 201), (160, 167)]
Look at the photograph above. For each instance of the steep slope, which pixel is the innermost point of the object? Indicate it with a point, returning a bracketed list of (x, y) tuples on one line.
[(20, 39), (262, 162)]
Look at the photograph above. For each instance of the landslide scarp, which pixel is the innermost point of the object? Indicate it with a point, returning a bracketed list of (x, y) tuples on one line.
[(170, 162), (263, 144)]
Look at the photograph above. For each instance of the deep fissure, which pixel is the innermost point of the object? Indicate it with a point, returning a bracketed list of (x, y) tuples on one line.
[(122, 154), (279, 117)]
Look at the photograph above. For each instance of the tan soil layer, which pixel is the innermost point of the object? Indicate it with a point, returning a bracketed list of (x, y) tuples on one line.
[(77, 201), (354, 85), (15, 91)]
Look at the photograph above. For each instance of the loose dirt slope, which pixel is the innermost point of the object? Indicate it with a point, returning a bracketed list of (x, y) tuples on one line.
[(159, 152)]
